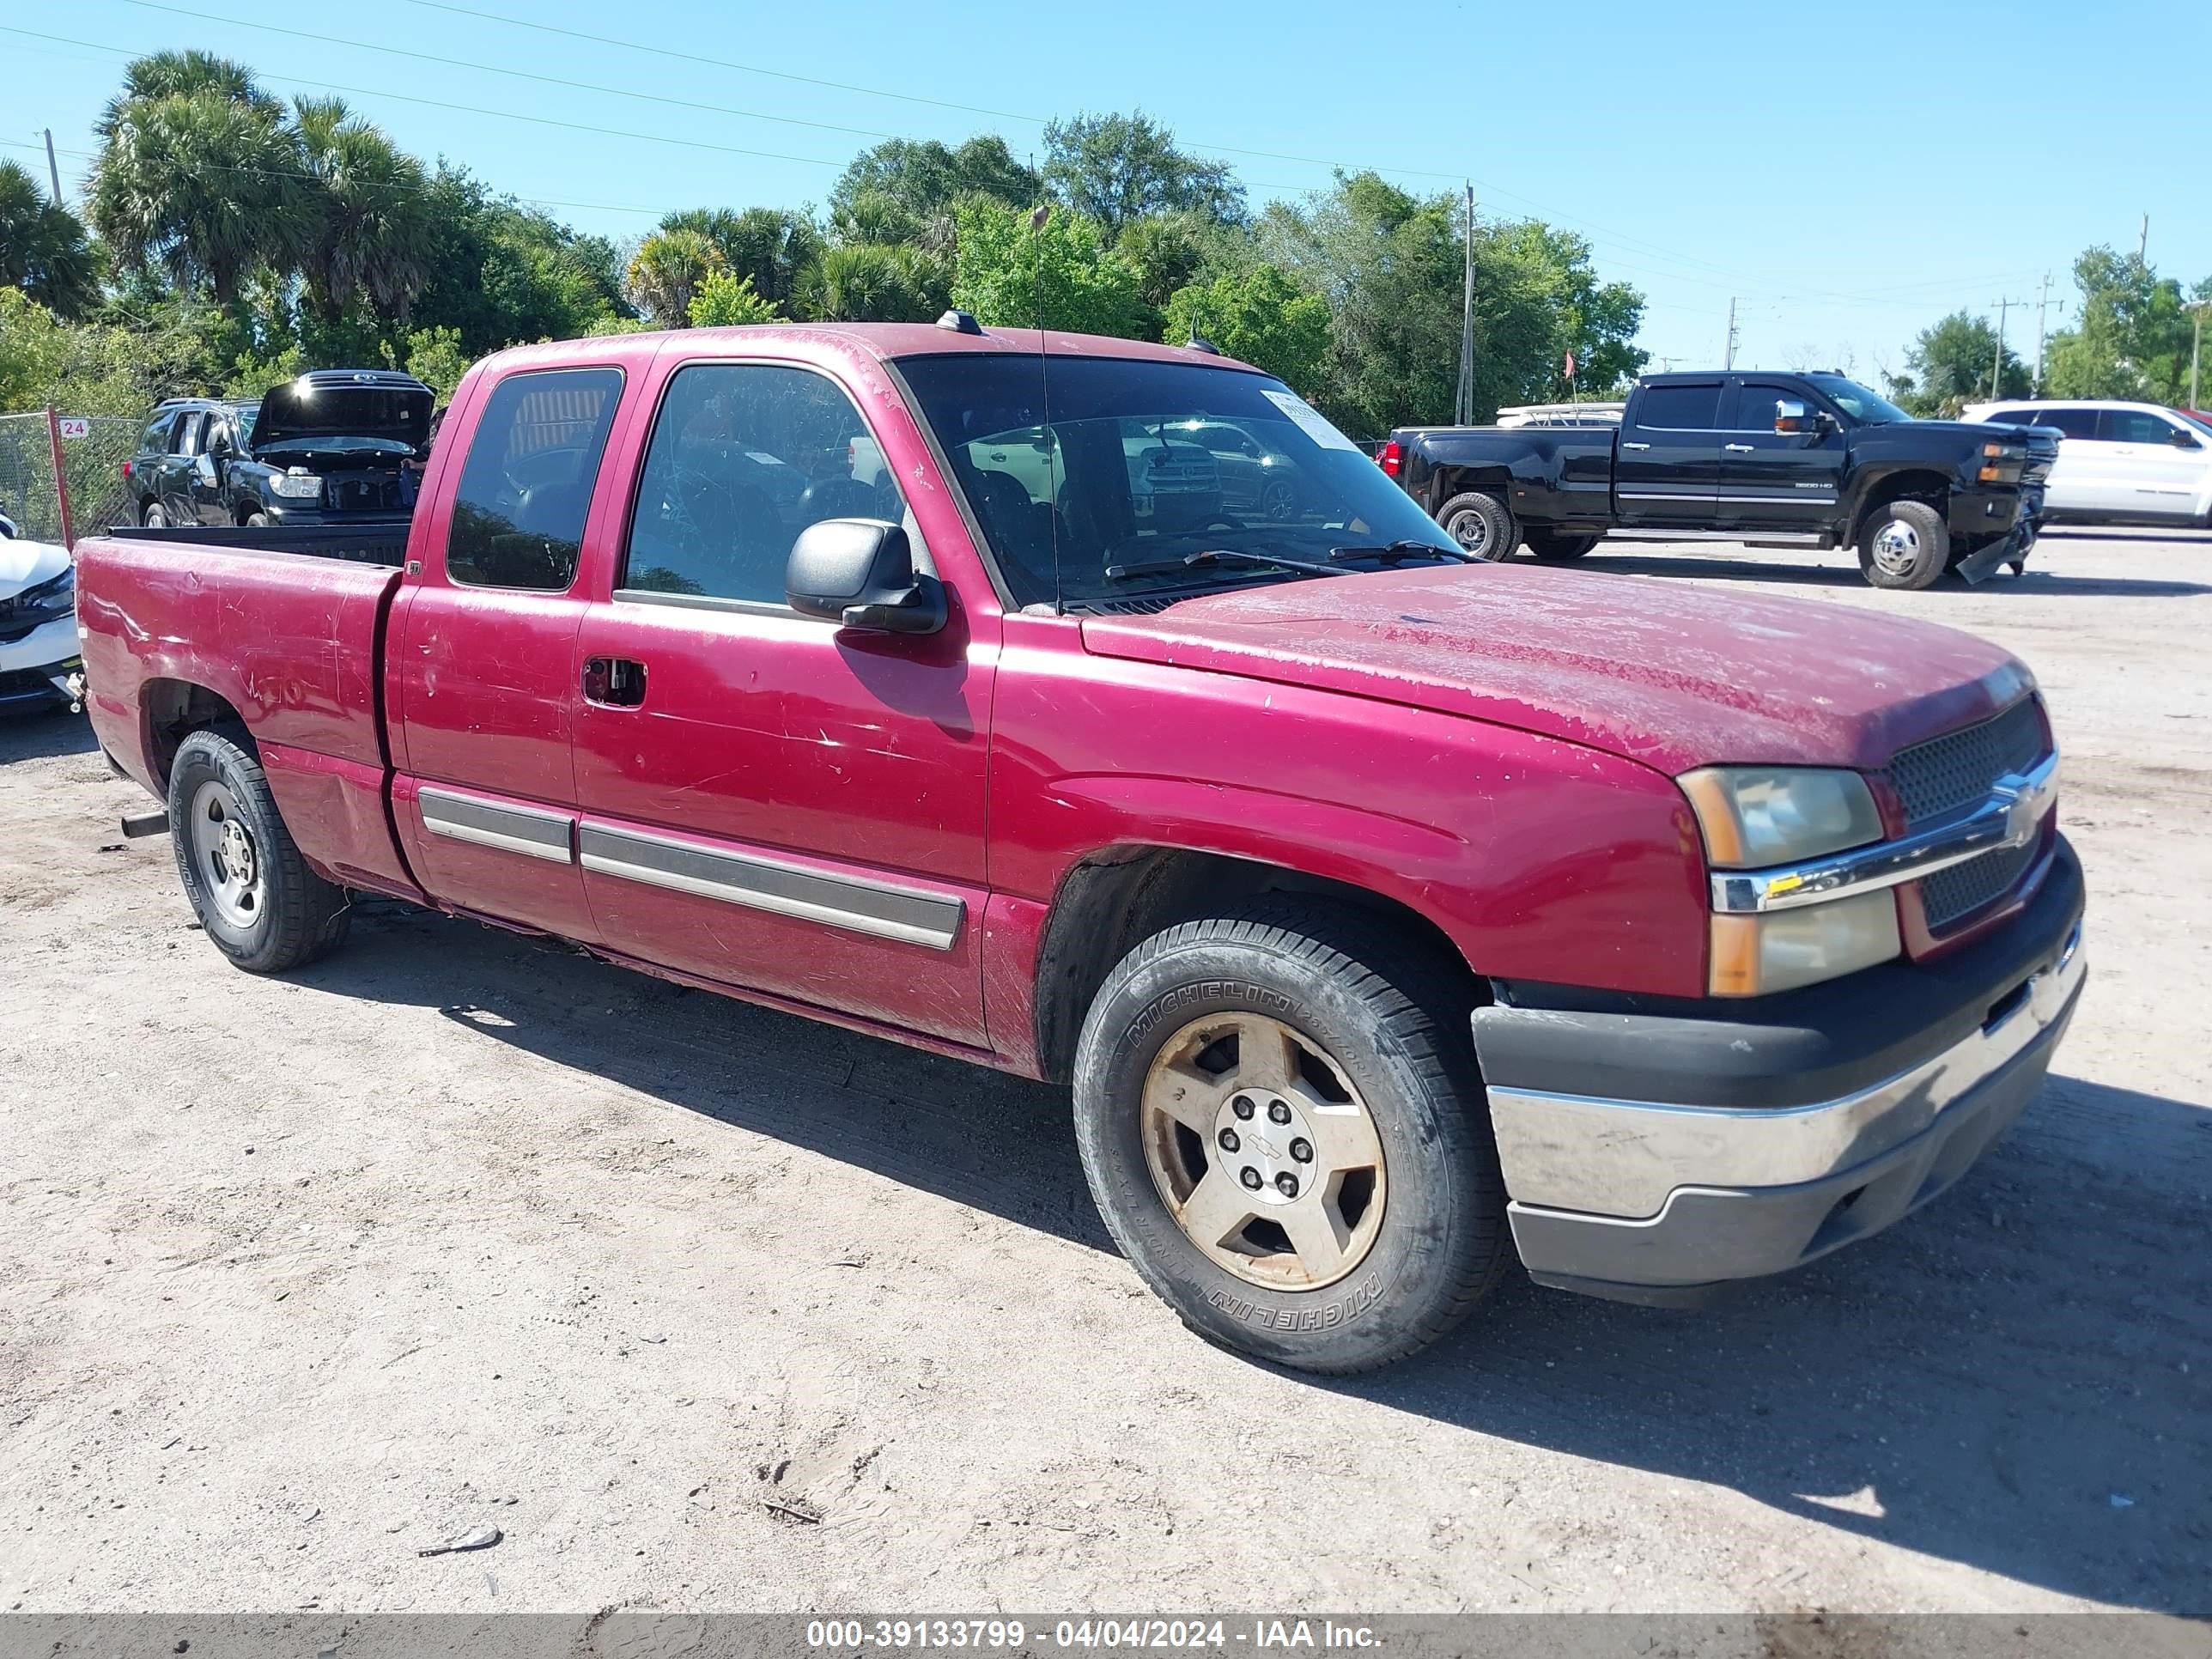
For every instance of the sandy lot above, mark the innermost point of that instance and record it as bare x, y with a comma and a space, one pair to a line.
459, 1229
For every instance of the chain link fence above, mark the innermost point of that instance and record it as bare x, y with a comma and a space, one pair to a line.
94, 450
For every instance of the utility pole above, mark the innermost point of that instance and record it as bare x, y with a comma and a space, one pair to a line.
1996, 365
53, 173
2143, 243
2197, 347
1729, 357
2042, 299
1464, 409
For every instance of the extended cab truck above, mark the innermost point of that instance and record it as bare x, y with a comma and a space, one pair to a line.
1389, 912
1773, 459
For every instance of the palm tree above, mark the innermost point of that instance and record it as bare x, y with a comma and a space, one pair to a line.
867, 282
43, 247
666, 271
369, 213
199, 173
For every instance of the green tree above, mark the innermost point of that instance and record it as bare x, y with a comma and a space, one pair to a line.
2133, 337
1119, 168
200, 173
771, 247
1171, 250
894, 192
1949, 365
43, 249
1261, 316
868, 283
367, 211
1009, 272
725, 299
1391, 267
435, 357
501, 273
666, 271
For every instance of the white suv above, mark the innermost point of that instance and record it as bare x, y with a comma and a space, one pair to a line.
2118, 463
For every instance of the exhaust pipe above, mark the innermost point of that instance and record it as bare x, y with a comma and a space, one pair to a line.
139, 825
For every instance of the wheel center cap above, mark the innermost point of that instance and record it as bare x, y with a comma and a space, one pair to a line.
237, 853
1262, 1152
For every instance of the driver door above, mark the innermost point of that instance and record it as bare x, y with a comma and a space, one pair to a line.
768, 800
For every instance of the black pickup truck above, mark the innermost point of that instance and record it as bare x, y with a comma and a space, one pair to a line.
334, 446
1772, 459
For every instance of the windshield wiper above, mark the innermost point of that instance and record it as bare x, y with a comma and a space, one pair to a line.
1403, 548
1209, 556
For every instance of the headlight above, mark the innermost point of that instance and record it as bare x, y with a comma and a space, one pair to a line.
1756, 815
1757, 955
34, 606
297, 486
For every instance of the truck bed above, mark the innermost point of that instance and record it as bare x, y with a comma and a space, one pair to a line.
290, 637
383, 542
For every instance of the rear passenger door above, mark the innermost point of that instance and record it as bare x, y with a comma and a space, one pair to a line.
769, 800
2083, 479
1667, 471
1777, 482
483, 659
179, 464
2158, 466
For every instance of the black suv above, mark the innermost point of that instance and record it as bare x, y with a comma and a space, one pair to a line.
336, 446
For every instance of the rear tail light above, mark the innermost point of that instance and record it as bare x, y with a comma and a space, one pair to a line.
1390, 458
126, 469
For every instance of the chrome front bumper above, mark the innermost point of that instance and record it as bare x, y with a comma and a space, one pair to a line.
1623, 1197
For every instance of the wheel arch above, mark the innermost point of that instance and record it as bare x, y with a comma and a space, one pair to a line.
171, 710
1906, 484
1112, 899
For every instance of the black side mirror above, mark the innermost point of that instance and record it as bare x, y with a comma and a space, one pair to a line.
2182, 438
859, 573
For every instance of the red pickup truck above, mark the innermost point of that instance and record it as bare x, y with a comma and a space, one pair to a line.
1096, 711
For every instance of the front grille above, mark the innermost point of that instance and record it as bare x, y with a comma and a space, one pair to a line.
1950, 894
364, 495
1955, 770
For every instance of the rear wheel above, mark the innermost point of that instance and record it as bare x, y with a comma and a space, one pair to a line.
1904, 545
1557, 547
1285, 1133
1481, 524
254, 895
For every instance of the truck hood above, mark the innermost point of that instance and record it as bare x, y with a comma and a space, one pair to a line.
1662, 672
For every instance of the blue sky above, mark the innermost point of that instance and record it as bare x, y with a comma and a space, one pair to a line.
1847, 172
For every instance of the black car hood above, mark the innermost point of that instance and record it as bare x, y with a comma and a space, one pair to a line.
391, 407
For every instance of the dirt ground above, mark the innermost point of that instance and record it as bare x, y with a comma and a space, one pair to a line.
707, 1307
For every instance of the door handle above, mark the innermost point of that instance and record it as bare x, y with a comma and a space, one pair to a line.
614, 682
1627, 446
1742, 449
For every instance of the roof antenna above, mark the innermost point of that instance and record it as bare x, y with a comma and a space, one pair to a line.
1038, 216
1199, 341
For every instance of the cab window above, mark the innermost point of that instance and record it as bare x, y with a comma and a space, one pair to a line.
742, 456
1680, 408
1755, 401
526, 487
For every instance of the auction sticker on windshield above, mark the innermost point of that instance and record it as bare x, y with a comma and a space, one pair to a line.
1310, 421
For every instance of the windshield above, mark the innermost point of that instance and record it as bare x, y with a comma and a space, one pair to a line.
1855, 401
1145, 463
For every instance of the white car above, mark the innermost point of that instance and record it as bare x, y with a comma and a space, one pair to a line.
2118, 463
38, 623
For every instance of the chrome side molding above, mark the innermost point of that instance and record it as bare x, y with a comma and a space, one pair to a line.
530, 830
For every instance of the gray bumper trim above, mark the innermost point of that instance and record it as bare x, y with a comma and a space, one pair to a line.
1706, 1236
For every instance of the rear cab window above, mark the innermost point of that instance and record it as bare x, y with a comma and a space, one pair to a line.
525, 490
1693, 408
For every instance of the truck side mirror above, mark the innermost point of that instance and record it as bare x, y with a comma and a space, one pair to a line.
859, 573
1790, 416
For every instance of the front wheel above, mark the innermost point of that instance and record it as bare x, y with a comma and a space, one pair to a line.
1481, 524
1904, 545
1283, 1127
1555, 547
254, 895
157, 517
